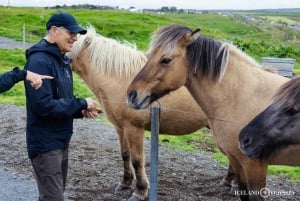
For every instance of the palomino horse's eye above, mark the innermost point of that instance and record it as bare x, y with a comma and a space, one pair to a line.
165, 61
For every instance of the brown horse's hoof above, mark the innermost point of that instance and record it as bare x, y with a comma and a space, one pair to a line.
121, 188
134, 198
234, 189
224, 183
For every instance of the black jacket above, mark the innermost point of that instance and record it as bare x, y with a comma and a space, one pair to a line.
9, 79
51, 108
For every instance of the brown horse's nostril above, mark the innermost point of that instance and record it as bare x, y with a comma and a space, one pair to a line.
246, 141
132, 96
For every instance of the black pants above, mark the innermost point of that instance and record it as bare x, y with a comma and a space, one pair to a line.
51, 170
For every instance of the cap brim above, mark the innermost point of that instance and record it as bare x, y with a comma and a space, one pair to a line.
76, 29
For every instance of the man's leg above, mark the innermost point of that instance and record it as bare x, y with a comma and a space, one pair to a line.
64, 166
49, 176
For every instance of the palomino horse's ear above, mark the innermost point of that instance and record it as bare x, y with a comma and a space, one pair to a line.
189, 38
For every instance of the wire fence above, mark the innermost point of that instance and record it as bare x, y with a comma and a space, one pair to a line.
23, 33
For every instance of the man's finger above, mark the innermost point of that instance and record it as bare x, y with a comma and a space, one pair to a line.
46, 77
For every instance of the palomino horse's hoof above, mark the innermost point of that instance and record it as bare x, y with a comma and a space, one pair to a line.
134, 198
121, 188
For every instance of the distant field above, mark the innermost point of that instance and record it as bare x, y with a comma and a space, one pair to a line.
257, 40
294, 16
280, 19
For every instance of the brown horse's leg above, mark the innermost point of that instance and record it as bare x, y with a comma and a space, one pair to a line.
256, 174
135, 138
230, 176
128, 173
239, 177
230, 180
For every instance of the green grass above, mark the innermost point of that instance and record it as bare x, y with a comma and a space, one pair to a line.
137, 28
291, 172
9, 59
202, 140
16, 95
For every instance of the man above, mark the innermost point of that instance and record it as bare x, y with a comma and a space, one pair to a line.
10, 78
52, 108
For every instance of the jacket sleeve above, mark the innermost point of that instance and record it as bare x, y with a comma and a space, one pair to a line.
43, 102
9, 79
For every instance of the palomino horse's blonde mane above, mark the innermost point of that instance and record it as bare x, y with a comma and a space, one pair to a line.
108, 55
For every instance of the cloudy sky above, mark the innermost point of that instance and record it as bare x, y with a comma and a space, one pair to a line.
197, 4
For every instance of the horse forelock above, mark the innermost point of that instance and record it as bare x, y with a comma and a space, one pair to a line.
166, 38
206, 56
288, 95
108, 55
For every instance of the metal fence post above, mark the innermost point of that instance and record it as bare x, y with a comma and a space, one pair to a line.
24, 35
155, 111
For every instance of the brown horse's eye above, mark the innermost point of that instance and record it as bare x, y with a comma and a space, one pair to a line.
165, 61
291, 111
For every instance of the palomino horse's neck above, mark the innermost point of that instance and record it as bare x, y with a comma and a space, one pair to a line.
226, 99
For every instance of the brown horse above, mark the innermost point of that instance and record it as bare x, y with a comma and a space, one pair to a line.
277, 127
230, 87
107, 67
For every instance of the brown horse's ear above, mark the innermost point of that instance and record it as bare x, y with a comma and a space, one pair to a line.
189, 38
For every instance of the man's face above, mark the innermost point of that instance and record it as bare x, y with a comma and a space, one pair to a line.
65, 39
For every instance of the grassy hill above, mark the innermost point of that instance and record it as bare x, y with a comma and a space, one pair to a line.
258, 40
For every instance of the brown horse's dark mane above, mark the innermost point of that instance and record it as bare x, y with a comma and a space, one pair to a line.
288, 95
206, 56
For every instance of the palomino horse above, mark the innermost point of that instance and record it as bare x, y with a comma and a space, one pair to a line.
230, 87
107, 67
277, 127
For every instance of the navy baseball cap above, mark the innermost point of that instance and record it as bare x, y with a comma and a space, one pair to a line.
65, 20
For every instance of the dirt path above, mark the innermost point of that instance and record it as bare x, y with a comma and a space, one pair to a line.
96, 165
8, 43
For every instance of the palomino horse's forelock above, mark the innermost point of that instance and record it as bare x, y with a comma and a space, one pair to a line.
108, 55
288, 95
207, 56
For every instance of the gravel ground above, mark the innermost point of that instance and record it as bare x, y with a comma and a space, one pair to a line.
96, 167
14, 187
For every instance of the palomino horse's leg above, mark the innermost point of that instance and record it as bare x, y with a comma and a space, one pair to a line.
135, 137
128, 174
